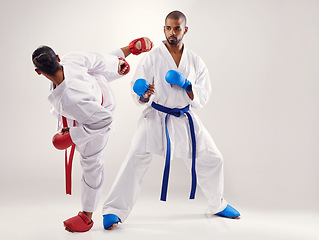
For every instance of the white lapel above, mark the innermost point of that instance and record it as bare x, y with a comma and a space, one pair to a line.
173, 95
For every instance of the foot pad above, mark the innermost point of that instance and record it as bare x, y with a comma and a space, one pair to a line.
79, 223
229, 212
109, 220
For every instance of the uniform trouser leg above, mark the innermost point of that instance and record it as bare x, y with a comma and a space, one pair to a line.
210, 174
92, 162
209, 170
128, 183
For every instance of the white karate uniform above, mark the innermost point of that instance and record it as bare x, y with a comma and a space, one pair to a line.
79, 98
150, 136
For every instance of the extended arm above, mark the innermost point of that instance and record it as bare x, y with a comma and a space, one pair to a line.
138, 46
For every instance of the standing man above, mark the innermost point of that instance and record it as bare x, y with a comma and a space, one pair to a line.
170, 81
83, 100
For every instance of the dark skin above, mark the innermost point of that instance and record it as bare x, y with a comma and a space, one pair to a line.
58, 78
174, 31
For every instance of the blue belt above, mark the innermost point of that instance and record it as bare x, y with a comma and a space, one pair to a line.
177, 112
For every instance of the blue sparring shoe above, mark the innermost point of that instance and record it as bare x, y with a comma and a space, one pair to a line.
229, 212
109, 220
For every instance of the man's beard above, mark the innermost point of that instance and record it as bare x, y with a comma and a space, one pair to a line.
174, 41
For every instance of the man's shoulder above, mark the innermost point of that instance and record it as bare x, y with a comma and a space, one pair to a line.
192, 54
71, 55
77, 56
195, 58
151, 57
158, 49
155, 51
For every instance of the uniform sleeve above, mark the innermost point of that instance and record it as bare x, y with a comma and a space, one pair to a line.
144, 70
96, 63
117, 52
201, 86
94, 119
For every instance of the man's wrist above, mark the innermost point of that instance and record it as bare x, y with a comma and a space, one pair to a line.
144, 101
144, 98
126, 51
189, 87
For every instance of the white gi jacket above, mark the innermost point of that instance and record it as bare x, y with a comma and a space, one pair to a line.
79, 96
153, 68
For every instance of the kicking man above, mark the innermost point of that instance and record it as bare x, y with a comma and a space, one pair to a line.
83, 100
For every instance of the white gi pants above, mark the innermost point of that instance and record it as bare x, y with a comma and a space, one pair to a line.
127, 185
92, 162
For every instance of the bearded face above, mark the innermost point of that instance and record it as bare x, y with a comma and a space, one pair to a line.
174, 30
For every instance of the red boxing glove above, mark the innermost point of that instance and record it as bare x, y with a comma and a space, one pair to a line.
62, 140
124, 65
136, 51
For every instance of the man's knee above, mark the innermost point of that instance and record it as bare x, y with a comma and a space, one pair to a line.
210, 158
94, 179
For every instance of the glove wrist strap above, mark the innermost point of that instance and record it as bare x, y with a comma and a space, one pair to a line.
188, 86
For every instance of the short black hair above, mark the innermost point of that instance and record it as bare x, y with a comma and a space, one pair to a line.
176, 15
45, 59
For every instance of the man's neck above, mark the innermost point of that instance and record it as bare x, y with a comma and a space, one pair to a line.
58, 78
175, 49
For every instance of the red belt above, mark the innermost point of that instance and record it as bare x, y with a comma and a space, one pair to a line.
68, 162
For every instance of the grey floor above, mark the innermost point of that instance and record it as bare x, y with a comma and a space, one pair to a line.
152, 219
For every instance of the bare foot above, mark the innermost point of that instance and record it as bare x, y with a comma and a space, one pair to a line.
111, 227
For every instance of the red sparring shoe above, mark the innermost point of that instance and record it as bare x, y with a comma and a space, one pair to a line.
79, 223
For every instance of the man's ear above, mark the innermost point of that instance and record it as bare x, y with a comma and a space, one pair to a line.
38, 71
186, 30
58, 58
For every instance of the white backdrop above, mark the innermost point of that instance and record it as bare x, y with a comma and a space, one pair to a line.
263, 58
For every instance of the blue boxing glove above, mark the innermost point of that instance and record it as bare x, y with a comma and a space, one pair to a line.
176, 78
140, 87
